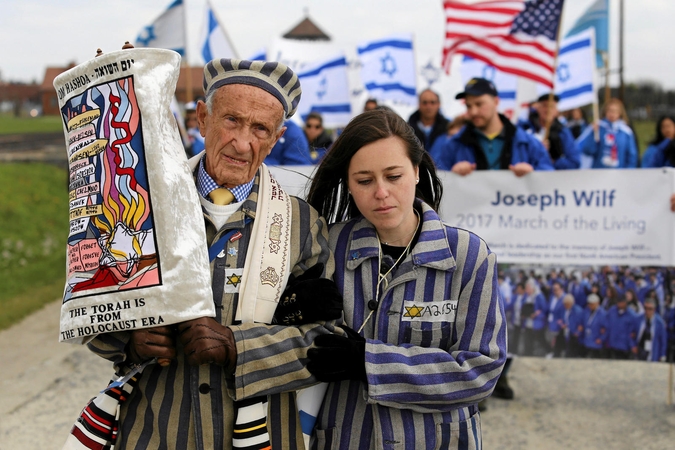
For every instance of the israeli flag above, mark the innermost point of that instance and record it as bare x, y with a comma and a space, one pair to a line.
166, 31
388, 68
325, 89
597, 18
214, 42
575, 74
506, 84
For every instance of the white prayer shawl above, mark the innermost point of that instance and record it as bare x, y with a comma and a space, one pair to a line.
267, 268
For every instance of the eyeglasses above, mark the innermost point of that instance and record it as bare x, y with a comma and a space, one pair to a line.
429, 102
310, 126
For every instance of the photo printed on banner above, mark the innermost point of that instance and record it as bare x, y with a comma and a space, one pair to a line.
111, 243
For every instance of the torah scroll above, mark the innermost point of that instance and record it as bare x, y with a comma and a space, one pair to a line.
137, 254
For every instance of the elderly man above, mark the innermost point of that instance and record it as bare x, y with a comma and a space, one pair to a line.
571, 328
489, 141
429, 124
192, 398
595, 327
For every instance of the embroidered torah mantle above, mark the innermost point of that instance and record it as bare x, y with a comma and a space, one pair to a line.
137, 253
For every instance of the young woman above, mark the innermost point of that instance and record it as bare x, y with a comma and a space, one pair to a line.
661, 151
427, 337
616, 148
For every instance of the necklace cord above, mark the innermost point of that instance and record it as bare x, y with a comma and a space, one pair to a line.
382, 277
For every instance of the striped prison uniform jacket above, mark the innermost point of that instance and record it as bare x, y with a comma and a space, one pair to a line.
186, 407
427, 366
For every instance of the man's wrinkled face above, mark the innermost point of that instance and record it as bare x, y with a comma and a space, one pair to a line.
239, 132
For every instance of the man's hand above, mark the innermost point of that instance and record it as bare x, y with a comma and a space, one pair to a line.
672, 202
520, 169
205, 341
463, 168
156, 342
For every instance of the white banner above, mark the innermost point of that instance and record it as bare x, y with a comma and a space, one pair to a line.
584, 217
578, 217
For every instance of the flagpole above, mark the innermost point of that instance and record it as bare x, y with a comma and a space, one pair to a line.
621, 85
188, 75
551, 93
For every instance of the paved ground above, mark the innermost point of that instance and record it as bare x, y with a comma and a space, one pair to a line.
559, 404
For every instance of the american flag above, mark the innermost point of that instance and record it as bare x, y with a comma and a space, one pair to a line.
515, 36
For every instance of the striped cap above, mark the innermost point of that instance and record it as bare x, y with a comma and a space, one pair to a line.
273, 77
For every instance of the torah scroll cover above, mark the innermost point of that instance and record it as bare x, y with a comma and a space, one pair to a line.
137, 254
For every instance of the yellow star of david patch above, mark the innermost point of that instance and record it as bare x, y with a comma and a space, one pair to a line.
413, 311
234, 280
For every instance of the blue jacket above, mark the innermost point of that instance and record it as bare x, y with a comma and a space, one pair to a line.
518, 147
574, 319
579, 292
621, 329
616, 148
435, 344
555, 313
658, 156
659, 336
541, 311
595, 327
292, 149
561, 142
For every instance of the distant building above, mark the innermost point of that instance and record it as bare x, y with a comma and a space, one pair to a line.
19, 95
48, 98
307, 30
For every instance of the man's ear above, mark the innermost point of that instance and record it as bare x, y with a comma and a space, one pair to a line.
202, 114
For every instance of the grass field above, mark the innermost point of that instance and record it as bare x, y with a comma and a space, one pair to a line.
34, 224
18, 125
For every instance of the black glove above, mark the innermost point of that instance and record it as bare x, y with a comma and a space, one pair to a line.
308, 298
337, 358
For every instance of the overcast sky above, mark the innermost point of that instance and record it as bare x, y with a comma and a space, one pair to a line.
40, 33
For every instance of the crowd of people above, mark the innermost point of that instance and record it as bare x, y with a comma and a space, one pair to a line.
607, 312
547, 139
483, 138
